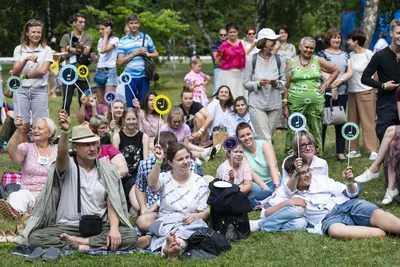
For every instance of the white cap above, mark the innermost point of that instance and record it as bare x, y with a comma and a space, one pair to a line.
267, 33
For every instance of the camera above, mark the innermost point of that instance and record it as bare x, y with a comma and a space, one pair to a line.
74, 41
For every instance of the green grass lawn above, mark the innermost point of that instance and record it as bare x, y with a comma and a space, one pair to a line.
261, 249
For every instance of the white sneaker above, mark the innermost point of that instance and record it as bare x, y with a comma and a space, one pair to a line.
254, 227
373, 156
206, 153
366, 176
353, 154
389, 195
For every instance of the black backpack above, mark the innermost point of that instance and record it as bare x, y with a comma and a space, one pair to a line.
208, 240
228, 212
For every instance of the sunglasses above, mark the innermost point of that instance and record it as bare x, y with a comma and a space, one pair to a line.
34, 21
251, 33
222, 34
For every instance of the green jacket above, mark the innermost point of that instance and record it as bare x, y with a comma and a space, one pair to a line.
45, 211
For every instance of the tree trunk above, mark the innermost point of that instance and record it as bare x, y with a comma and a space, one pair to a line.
262, 12
200, 22
369, 21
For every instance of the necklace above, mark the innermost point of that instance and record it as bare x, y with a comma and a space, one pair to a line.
306, 64
41, 159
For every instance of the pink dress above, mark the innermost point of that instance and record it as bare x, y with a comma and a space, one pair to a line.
34, 175
199, 92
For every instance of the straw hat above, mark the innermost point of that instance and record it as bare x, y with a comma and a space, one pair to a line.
83, 134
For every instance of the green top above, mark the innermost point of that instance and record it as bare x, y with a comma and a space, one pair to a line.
258, 162
305, 84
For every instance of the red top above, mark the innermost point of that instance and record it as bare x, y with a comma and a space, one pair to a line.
232, 56
108, 152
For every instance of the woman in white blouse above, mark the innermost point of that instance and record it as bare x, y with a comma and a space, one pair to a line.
32, 60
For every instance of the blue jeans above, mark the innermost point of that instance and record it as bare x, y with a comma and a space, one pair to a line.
289, 218
352, 212
257, 193
140, 86
216, 72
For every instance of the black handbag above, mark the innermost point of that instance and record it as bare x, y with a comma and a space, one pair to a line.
89, 225
149, 66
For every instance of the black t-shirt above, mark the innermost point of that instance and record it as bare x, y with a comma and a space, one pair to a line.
388, 68
132, 149
189, 117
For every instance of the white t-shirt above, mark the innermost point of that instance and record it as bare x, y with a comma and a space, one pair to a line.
93, 195
220, 117
380, 44
109, 59
184, 198
359, 62
43, 54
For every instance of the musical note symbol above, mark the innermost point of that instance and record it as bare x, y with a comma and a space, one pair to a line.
351, 131
161, 104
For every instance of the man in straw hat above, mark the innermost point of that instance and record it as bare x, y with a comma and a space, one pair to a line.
56, 222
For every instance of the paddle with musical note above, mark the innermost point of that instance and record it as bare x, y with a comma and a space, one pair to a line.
14, 84
350, 132
297, 122
68, 76
110, 98
162, 105
126, 79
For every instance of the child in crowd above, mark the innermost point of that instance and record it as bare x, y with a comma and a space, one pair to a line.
150, 120
89, 107
116, 114
197, 81
175, 124
235, 171
134, 145
54, 70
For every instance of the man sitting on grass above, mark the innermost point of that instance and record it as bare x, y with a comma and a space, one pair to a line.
333, 206
57, 218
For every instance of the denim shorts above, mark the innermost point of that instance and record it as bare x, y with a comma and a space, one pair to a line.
353, 212
112, 76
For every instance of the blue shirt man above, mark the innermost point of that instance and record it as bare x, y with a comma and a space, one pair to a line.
132, 49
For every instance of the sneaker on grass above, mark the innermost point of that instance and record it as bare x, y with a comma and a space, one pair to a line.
366, 176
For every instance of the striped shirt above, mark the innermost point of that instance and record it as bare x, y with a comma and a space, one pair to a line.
127, 45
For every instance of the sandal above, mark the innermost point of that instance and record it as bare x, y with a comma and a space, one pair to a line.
10, 236
36, 254
7, 211
52, 254
3, 238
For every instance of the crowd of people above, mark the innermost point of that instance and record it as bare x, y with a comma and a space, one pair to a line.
123, 159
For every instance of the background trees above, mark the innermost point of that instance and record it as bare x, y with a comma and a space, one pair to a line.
186, 21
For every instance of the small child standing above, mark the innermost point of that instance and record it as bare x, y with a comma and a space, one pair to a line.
54, 70
197, 81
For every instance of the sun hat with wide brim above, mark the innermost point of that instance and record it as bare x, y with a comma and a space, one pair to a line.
83, 134
267, 33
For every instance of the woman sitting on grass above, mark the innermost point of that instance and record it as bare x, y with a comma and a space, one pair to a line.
89, 107
150, 120
119, 110
260, 155
99, 126
176, 126
183, 206
35, 160
235, 171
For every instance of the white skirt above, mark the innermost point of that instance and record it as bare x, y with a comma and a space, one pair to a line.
234, 80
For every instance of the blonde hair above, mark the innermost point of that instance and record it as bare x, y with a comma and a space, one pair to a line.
51, 126
175, 111
29, 24
97, 120
395, 23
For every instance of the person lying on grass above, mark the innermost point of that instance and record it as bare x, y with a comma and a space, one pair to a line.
334, 206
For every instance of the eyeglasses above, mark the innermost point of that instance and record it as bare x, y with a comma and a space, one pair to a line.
251, 33
304, 146
223, 35
305, 172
